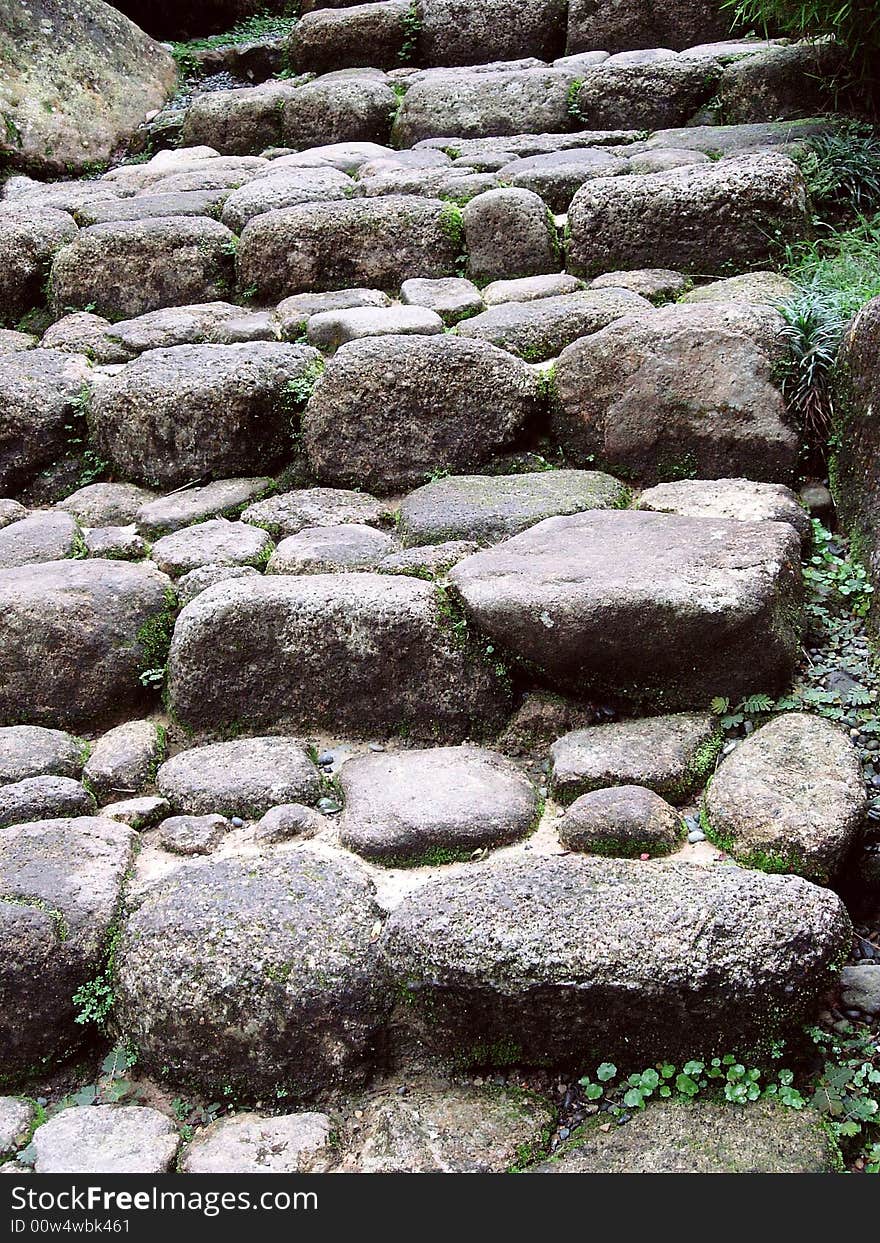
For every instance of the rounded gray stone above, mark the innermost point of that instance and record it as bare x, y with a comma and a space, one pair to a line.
623, 820
43, 798
790, 797
258, 972
330, 550
34, 751
244, 777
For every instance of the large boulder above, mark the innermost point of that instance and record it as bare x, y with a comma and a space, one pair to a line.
641, 606
258, 972
679, 392
444, 103
75, 636
133, 266
488, 508
76, 79
469, 32
201, 411
60, 884
340, 38
40, 397
622, 25
556, 960
375, 242
390, 411
29, 238
654, 95
352, 653
790, 798
739, 211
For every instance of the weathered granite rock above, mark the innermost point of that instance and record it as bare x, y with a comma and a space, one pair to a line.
728, 498
124, 760
192, 835
329, 329
15, 1122
737, 210
196, 411
77, 79
441, 402
60, 882
75, 637
623, 820
555, 960
509, 233
541, 329
452, 297
672, 394
288, 820
324, 246
628, 24
244, 777
791, 798
250, 1144
644, 607
33, 751
488, 508
288, 513
224, 497
356, 653
40, 395
258, 972
213, 542
30, 236
433, 805
668, 754
106, 1139
330, 550
43, 798
106, 504
701, 1137
129, 267
431, 1127
42, 536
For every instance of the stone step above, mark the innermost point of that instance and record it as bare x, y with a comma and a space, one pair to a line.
358, 652
549, 960
651, 608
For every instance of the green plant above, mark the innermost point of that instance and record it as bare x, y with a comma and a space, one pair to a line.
412, 26
853, 24
842, 171
812, 332
724, 1078
834, 277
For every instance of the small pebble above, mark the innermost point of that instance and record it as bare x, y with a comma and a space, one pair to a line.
376, 746
237, 822
696, 835
325, 759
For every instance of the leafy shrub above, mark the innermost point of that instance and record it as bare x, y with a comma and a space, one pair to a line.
853, 24
842, 172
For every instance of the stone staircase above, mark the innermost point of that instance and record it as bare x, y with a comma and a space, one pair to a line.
429, 387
